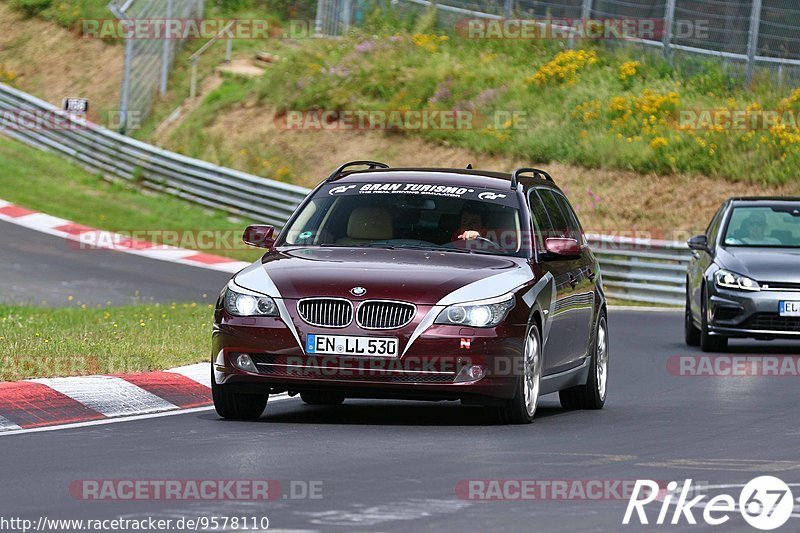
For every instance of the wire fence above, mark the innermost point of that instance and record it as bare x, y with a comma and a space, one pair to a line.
149, 61
743, 33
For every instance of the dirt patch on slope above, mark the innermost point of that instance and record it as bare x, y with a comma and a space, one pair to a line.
53, 63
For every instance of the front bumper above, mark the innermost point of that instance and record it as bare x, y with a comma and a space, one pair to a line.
428, 369
752, 314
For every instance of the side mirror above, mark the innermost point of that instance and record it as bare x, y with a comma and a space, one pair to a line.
699, 243
562, 248
260, 236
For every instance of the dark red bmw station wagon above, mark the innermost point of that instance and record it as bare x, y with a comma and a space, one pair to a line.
426, 284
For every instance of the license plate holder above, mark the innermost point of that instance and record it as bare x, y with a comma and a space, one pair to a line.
789, 308
321, 344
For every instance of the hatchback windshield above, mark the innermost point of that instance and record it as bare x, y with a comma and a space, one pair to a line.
765, 226
410, 215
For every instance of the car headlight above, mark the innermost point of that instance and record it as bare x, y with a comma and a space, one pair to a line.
249, 304
480, 314
732, 280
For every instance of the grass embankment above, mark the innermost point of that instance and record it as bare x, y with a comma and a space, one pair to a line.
46, 182
595, 106
39, 342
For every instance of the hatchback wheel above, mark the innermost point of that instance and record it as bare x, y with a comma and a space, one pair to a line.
691, 332
592, 395
708, 342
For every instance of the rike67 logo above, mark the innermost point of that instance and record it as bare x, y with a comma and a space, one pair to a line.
766, 503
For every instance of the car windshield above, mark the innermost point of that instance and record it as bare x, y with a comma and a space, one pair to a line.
776, 226
410, 215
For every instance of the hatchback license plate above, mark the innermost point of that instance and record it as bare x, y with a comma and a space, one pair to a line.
790, 308
344, 345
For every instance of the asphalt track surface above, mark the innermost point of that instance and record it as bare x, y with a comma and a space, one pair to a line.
395, 466
36, 268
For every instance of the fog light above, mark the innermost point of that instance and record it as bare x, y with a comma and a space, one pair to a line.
243, 362
470, 373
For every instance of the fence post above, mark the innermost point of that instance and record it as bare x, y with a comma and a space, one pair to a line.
125, 98
508, 7
166, 52
347, 7
318, 20
586, 10
669, 19
752, 39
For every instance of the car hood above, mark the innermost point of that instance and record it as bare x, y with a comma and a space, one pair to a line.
762, 264
418, 276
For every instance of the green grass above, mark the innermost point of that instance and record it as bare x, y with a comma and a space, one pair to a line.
35, 180
40, 342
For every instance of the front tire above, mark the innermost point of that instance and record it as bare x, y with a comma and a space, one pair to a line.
236, 406
708, 342
592, 395
521, 409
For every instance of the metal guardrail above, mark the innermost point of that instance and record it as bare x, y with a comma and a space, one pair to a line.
105, 152
651, 271
635, 270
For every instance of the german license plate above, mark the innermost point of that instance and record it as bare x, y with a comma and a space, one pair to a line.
790, 308
345, 345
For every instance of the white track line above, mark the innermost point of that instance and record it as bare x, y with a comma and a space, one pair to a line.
109, 395
276, 398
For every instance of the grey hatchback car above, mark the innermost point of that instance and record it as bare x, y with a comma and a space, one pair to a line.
744, 275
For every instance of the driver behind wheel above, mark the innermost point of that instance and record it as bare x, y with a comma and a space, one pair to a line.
471, 226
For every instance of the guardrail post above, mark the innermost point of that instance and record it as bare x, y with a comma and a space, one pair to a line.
166, 52
508, 7
669, 19
229, 47
752, 40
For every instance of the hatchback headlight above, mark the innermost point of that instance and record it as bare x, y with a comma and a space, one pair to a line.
240, 303
479, 314
732, 280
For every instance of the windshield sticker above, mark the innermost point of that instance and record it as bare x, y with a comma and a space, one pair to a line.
451, 191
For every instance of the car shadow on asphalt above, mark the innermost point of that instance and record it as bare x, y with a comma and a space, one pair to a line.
377, 412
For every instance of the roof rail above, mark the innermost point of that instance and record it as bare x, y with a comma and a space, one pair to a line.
541, 174
372, 165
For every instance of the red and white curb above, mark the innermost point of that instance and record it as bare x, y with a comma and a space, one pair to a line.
38, 403
101, 239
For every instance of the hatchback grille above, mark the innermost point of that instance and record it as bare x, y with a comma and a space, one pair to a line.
774, 322
379, 314
326, 312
